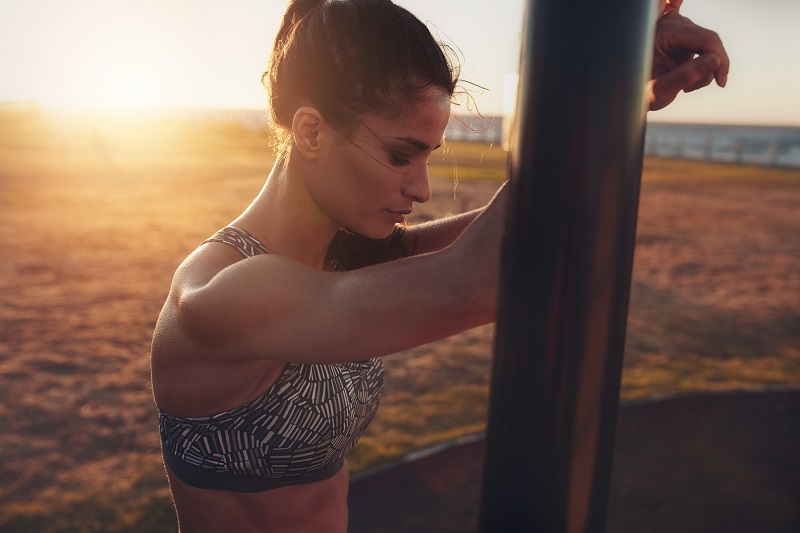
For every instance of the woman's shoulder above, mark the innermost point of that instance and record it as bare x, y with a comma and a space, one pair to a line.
213, 255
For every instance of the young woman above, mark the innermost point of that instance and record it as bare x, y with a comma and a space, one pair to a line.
266, 357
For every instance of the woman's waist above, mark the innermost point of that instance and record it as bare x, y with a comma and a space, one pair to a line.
310, 507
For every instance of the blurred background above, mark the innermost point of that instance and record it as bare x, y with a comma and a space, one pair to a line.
130, 131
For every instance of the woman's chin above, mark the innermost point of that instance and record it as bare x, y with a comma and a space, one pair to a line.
375, 231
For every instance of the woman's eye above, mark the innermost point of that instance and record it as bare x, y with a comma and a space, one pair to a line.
398, 161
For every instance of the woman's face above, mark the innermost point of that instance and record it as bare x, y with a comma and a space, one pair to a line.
373, 176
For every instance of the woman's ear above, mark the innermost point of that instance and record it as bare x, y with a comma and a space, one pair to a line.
306, 126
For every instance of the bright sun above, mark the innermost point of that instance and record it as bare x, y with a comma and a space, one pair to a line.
122, 74
132, 55
126, 82
110, 64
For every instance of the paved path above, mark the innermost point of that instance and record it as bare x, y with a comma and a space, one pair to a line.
703, 463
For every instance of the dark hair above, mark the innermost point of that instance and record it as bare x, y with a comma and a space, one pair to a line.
347, 57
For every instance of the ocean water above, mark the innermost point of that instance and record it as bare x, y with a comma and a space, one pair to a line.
755, 145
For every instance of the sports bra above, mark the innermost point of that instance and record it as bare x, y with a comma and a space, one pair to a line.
297, 431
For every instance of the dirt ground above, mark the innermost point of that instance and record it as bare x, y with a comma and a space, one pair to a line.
93, 222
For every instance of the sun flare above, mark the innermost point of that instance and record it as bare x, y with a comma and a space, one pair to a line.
126, 82
110, 64
118, 73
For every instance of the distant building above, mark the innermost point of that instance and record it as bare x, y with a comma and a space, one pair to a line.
475, 129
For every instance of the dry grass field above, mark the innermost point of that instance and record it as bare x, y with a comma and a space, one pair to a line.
96, 214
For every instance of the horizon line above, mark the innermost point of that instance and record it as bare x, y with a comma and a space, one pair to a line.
31, 104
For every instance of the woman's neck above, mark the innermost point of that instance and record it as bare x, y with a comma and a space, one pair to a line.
286, 219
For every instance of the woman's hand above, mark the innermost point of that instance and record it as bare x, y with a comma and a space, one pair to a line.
686, 57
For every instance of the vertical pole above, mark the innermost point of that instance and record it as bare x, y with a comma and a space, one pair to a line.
575, 167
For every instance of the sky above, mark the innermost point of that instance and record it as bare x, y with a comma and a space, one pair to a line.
211, 53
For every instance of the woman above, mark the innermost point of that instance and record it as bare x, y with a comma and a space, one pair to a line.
266, 356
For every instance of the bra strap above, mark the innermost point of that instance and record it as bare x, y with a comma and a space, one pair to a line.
244, 242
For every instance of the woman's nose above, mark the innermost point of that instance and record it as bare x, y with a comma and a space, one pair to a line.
417, 186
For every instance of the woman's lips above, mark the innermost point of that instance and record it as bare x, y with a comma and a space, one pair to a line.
398, 216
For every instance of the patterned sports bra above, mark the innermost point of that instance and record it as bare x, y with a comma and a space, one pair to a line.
298, 431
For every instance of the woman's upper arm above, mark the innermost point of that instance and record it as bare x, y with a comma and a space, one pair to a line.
271, 307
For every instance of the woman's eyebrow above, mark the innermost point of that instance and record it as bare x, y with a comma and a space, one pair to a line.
418, 144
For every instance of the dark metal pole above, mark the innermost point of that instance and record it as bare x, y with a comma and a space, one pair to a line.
575, 170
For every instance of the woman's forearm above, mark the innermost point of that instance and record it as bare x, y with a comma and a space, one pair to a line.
437, 234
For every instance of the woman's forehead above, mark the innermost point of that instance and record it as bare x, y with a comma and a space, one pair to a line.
423, 118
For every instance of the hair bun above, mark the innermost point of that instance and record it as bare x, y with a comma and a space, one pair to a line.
296, 11
349, 57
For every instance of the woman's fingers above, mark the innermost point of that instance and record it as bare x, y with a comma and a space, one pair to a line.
689, 76
686, 57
